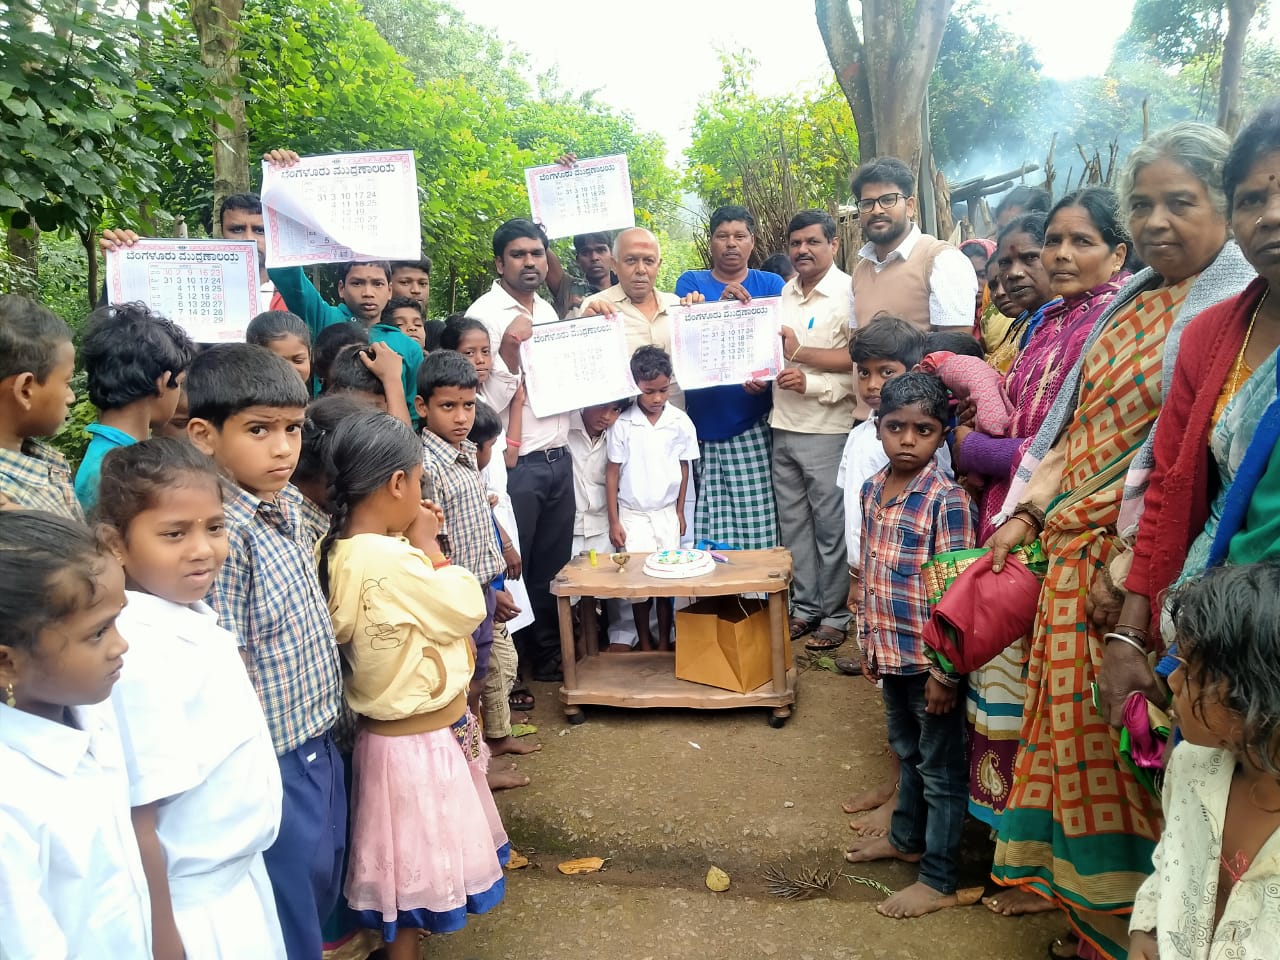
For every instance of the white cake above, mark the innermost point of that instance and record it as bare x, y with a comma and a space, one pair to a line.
678, 564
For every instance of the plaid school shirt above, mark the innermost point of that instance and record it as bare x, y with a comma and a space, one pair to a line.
38, 478
460, 493
268, 595
932, 515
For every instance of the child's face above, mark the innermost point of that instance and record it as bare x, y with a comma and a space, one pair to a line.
76, 660
165, 406
176, 427
474, 345
259, 446
1206, 724
448, 413
365, 291
46, 404
411, 282
409, 321
175, 548
872, 376
600, 418
297, 351
653, 394
910, 436
484, 453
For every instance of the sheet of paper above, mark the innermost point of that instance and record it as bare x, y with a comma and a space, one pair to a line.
207, 287
342, 206
724, 341
570, 364
592, 195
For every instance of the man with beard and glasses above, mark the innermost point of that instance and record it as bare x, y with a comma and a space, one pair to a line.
812, 411
541, 484
901, 271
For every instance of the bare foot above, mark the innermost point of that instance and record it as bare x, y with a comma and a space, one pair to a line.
915, 901
508, 779
1017, 902
870, 799
510, 744
877, 822
878, 848
618, 648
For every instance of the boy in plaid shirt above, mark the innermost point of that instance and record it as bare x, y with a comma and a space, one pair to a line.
911, 512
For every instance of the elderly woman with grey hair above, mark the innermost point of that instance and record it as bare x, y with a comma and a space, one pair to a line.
1079, 830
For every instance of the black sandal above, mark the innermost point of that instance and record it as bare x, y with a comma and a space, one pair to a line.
824, 639
521, 700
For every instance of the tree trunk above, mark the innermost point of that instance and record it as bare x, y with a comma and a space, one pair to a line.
1239, 15
844, 51
217, 29
24, 249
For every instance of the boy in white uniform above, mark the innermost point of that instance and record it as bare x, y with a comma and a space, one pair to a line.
647, 477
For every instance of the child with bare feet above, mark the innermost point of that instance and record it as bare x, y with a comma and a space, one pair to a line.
649, 450
911, 511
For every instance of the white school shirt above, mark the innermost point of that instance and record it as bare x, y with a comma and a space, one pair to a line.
195, 738
494, 478
862, 459
71, 880
498, 309
651, 454
591, 516
952, 281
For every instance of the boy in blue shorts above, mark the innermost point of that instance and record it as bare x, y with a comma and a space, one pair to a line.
247, 407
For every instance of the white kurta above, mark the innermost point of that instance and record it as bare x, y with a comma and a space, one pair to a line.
197, 743
71, 880
1179, 899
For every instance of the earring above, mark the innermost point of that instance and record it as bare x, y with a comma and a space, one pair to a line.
9, 701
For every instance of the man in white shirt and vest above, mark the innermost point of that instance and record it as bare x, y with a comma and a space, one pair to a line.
813, 403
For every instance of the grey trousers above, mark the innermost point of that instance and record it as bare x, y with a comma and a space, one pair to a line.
811, 521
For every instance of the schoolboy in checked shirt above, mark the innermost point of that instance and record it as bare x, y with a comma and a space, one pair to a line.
911, 512
247, 408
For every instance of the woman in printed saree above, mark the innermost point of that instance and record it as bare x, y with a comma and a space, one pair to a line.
1078, 829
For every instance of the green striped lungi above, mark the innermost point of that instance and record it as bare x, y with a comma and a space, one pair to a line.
735, 491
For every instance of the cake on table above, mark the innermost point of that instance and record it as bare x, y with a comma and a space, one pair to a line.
678, 564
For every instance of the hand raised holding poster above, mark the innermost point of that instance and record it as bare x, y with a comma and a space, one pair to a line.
576, 363
726, 342
340, 207
588, 196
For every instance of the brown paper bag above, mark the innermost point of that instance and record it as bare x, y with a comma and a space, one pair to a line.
724, 642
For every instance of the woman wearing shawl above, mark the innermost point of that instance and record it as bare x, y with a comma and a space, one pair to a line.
1078, 829
1081, 251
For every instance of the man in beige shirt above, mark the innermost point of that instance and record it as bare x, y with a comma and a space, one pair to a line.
813, 403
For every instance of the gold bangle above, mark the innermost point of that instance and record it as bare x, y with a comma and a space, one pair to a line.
795, 354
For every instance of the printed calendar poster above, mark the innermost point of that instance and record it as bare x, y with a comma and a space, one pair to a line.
591, 196
576, 363
725, 341
207, 287
340, 207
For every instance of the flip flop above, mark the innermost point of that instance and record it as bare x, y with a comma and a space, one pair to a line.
521, 700
824, 638
851, 666
800, 627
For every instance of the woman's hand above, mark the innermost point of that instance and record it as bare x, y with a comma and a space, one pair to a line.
1015, 532
1103, 602
1143, 946
1123, 671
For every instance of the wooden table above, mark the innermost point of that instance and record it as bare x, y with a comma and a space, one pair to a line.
648, 679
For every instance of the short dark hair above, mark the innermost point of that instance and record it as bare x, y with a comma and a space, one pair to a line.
486, 426
517, 229
48, 566
248, 202
273, 325
1026, 198
916, 389
126, 349
584, 240
399, 303
226, 378
134, 476
329, 342
348, 372
953, 341
1032, 224
455, 327
1103, 207
887, 338
341, 270
1260, 136
649, 363
813, 218
732, 213
432, 331
445, 368
884, 170
30, 335
780, 264
323, 416
424, 264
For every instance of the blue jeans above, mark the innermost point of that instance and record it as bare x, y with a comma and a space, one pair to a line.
933, 787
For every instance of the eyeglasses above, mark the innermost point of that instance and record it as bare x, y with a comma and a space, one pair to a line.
886, 202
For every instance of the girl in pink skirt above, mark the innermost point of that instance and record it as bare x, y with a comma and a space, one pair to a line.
427, 845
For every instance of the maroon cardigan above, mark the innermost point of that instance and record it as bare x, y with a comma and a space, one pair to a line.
1176, 504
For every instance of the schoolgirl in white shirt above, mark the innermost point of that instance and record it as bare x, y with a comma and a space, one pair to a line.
71, 882
204, 780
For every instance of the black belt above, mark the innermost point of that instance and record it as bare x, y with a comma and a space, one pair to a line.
551, 454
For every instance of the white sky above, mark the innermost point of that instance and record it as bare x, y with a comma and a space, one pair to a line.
656, 58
